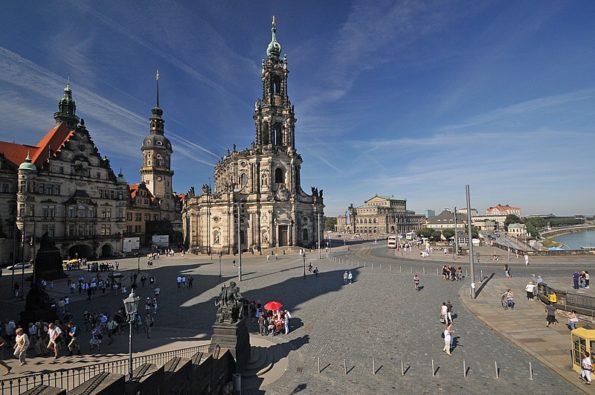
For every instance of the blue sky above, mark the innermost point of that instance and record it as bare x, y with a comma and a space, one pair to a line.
407, 98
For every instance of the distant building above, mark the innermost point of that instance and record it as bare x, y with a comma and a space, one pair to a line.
380, 215
517, 230
446, 220
463, 210
429, 213
503, 210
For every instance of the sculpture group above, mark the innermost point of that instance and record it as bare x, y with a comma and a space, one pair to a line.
230, 304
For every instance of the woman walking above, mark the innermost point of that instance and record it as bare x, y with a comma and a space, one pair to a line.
448, 331
21, 344
551, 314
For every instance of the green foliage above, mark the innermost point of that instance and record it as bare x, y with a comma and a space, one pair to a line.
426, 232
329, 223
448, 233
511, 219
531, 229
536, 222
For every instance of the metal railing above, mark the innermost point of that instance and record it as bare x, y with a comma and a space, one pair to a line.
71, 378
582, 304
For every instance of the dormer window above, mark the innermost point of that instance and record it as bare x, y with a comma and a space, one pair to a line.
148, 142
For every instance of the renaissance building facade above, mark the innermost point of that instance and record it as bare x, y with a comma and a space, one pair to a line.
257, 197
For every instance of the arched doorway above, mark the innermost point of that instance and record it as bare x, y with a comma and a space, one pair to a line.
107, 251
80, 251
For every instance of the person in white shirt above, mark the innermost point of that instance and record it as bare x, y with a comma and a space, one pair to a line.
586, 368
21, 344
530, 289
54, 333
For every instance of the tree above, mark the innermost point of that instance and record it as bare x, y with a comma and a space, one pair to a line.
330, 223
426, 232
448, 233
511, 219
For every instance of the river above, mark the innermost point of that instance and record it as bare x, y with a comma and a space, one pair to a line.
574, 241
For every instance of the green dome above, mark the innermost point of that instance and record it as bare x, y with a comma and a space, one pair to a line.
27, 165
121, 180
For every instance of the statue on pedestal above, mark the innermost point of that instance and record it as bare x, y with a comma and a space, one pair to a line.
230, 305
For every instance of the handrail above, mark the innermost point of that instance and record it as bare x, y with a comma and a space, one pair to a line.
71, 378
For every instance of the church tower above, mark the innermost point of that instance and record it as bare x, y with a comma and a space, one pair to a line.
273, 113
156, 172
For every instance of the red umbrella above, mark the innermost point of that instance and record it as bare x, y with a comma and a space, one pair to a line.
273, 305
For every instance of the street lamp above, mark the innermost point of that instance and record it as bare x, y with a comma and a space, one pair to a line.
131, 307
239, 246
220, 253
318, 231
304, 257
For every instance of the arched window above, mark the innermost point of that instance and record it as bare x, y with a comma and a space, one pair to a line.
279, 178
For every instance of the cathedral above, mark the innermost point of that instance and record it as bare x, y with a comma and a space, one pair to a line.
257, 197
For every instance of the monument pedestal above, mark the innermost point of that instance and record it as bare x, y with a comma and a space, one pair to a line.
234, 337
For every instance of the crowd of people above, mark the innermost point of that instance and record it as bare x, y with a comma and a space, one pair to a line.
580, 279
452, 273
272, 323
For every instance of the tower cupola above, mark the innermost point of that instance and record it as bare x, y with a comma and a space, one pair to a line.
67, 109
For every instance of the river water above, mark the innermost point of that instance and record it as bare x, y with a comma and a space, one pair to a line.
574, 241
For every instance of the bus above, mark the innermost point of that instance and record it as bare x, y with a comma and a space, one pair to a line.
392, 241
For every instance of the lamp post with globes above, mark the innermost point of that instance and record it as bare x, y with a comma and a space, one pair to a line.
131, 307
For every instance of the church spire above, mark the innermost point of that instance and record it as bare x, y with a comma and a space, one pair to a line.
157, 81
274, 48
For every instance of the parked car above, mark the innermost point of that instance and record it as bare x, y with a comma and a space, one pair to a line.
20, 266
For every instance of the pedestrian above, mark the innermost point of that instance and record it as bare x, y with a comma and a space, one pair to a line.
586, 279
316, 271
262, 325
157, 290
448, 331
350, 277
190, 281
345, 276
526, 260
73, 333
3, 343
586, 368
575, 278
443, 313
286, 319
449, 312
55, 334
530, 289
551, 314
143, 279
507, 271
572, 320
21, 344
416, 281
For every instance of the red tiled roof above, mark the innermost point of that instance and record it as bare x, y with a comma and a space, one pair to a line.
182, 196
53, 139
16, 153
133, 190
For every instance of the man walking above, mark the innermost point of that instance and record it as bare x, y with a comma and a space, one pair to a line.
586, 368
73, 334
54, 333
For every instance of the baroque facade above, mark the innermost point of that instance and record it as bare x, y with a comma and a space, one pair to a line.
379, 216
257, 194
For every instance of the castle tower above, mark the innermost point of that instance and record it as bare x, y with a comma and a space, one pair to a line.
67, 109
156, 171
273, 113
